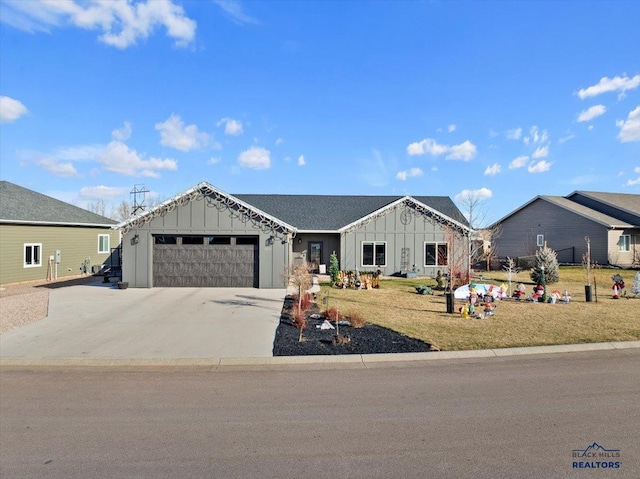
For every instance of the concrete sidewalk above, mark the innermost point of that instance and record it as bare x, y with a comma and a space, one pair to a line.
99, 321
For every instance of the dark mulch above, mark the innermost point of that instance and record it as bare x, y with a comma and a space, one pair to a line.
370, 339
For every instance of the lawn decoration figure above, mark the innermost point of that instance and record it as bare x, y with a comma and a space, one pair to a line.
635, 286
520, 291
618, 285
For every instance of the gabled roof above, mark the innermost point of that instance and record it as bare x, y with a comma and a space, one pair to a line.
628, 205
592, 214
23, 206
305, 213
336, 212
264, 220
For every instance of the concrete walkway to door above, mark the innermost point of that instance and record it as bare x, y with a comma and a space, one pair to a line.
99, 321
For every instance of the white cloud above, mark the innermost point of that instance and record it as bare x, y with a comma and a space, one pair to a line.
541, 152
606, 84
102, 191
175, 134
633, 182
591, 113
464, 151
518, 162
123, 23
403, 175
213, 161
301, 161
11, 109
570, 136
637, 169
451, 128
539, 167
234, 9
590, 127
122, 134
279, 141
630, 129
119, 158
536, 136
481, 194
58, 168
427, 146
255, 157
231, 126
492, 170
514, 134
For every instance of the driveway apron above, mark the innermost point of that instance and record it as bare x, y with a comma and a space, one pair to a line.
100, 321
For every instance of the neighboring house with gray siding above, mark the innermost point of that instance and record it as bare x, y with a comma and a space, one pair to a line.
206, 237
44, 238
610, 220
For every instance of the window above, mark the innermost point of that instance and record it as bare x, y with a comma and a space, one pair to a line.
165, 240
32, 255
219, 240
624, 243
540, 240
374, 253
193, 240
103, 243
436, 254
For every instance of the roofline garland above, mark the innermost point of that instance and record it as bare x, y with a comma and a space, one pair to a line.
433, 216
216, 199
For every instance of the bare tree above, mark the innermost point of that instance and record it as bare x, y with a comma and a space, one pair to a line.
122, 211
477, 215
99, 207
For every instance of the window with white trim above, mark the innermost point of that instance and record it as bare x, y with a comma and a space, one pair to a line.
374, 253
103, 243
32, 255
436, 254
624, 243
540, 240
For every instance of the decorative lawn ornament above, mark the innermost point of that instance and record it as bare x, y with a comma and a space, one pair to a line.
618, 285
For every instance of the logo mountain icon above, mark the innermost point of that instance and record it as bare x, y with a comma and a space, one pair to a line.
595, 447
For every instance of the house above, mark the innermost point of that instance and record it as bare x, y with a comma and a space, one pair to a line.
611, 221
45, 238
206, 237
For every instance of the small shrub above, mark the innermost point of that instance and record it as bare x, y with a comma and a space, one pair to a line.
300, 322
356, 319
332, 314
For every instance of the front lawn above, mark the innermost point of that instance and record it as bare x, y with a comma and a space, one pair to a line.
515, 323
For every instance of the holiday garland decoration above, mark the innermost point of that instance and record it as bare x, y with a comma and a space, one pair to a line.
214, 199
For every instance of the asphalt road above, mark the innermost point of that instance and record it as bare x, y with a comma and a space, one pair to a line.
513, 417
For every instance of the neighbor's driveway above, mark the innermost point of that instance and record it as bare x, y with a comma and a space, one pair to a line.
97, 320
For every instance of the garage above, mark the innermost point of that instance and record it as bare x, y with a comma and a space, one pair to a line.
205, 261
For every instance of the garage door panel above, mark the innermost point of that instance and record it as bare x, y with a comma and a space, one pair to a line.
205, 265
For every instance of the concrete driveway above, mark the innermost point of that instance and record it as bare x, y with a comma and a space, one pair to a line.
97, 320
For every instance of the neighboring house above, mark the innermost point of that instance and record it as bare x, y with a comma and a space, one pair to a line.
44, 238
205, 237
610, 220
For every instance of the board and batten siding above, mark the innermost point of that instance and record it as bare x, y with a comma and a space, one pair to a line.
563, 230
199, 217
398, 236
77, 244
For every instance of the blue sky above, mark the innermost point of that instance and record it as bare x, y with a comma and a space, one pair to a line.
507, 100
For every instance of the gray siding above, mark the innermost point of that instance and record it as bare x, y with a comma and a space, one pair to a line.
563, 231
201, 218
330, 243
78, 246
400, 238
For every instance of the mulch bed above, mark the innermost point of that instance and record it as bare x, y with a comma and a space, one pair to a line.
370, 339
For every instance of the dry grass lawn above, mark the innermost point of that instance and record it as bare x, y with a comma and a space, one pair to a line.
515, 323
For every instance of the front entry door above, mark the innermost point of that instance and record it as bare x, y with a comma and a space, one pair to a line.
315, 255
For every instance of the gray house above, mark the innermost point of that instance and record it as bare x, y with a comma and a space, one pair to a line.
45, 238
206, 237
610, 220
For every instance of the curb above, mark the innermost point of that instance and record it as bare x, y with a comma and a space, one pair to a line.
352, 360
